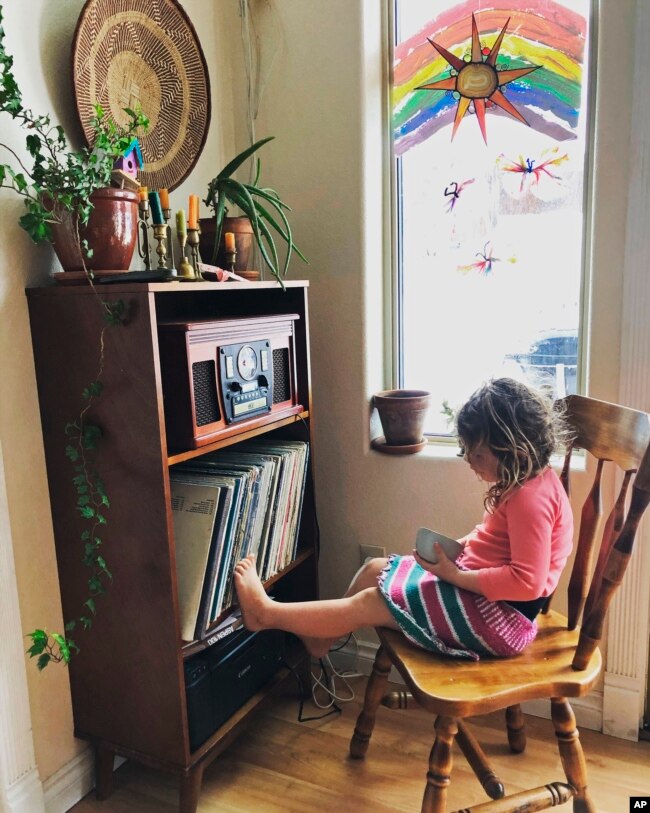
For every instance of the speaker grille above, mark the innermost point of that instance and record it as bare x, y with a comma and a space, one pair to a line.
206, 406
281, 379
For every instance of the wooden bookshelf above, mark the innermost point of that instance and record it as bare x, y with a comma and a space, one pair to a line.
127, 682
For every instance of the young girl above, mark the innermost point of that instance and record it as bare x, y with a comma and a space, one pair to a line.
484, 603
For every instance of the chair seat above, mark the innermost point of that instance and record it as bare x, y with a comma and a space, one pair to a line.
460, 688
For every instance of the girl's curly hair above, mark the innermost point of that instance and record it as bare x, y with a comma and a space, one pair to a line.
520, 425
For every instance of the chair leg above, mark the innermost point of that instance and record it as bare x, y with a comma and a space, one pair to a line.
375, 691
473, 752
516, 729
571, 754
440, 764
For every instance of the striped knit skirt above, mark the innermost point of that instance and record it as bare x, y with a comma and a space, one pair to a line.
440, 617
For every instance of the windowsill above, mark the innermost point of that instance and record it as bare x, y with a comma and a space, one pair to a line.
436, 450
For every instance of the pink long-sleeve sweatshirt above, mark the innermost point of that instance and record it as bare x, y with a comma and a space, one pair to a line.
520, 550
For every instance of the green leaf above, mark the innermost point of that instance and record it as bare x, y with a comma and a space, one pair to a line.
33, 144
90, 603
218, 223
71, 453
87, 512
43, 661
39, 642
236, 162
38, 636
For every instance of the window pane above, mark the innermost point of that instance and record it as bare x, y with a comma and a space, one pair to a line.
491, 166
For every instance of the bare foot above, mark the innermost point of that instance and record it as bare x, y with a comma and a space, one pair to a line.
251, 594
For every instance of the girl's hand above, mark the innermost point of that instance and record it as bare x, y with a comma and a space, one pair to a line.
444, 568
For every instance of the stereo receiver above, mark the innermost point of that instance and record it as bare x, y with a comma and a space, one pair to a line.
217, 374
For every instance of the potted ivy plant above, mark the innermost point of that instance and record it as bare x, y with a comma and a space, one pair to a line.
64, 186
63, 189
261, 208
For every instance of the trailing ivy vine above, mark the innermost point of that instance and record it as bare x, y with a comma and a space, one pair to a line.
62, 180
92, 504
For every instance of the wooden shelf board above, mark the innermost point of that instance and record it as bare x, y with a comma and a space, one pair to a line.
179, 457
191, 648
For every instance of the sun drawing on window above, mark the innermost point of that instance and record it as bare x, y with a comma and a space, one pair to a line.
478, 79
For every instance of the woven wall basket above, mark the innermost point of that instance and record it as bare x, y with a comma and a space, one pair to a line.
145, 52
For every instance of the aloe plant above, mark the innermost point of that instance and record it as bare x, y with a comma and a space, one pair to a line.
261, 205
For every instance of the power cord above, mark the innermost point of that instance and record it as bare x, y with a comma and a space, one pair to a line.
326, 682
301, 718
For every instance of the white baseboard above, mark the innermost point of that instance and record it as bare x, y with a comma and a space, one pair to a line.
25, 795
360, 658
72, 782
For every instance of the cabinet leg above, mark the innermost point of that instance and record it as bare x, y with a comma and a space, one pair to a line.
190, 789
104, 762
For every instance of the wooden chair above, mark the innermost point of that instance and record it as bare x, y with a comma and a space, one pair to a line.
564, 660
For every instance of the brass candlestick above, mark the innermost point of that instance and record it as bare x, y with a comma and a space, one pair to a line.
160, 231
231, 256
167, 213
185, 269
195, 257
143, 234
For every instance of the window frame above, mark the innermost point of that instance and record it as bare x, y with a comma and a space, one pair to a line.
394, 283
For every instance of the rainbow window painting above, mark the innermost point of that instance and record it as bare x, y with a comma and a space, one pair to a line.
490, 137
536, 51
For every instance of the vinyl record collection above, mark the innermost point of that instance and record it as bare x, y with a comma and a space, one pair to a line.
226, 505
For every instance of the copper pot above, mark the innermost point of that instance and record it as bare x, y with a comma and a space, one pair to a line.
111, 232
242, 229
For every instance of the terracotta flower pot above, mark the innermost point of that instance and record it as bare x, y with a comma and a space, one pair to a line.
402, 414
243, 231
111, 233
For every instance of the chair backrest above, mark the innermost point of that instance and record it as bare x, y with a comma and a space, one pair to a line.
620, 435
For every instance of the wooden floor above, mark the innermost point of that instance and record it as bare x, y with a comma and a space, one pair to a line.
283, 766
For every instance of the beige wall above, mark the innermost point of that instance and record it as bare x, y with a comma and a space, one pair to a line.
39, 36
323, 103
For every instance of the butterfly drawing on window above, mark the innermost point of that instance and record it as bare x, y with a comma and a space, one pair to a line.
530, 173
483, 265
453, 192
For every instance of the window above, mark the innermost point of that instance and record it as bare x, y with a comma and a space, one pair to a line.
490, 138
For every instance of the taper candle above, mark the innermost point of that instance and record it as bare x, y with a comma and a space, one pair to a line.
156, 209
229, 239
143, 191
193, 212
181, 226
164, 198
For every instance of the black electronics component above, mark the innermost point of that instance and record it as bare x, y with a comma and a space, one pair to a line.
246, 379
220, 679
